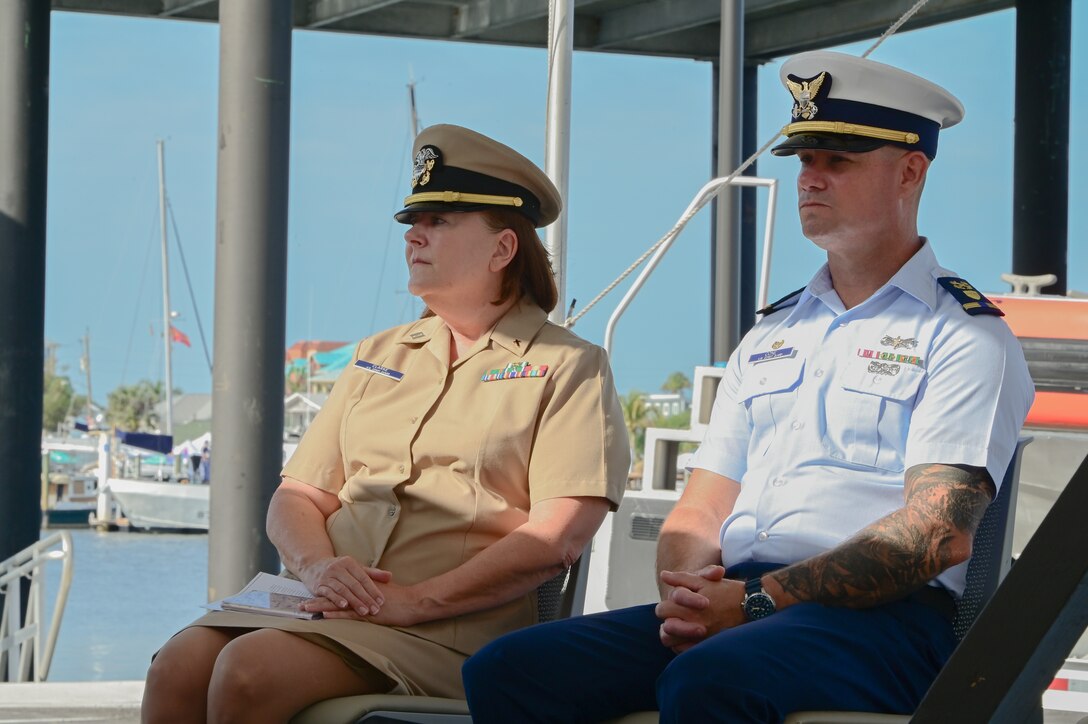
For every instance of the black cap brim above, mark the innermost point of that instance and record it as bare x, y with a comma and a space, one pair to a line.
404, 216
827, 142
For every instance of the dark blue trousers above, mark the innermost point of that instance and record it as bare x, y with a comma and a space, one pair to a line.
807, 656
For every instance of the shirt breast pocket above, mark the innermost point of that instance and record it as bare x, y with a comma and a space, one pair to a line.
769, 391
868, 417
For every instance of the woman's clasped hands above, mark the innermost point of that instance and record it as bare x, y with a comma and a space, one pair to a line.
342, 585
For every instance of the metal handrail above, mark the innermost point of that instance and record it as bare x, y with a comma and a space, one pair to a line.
23, 655
707, 192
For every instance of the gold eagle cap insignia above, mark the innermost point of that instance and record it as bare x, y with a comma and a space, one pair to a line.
803, 92
423, 164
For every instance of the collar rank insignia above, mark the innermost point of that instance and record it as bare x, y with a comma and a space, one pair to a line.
971, 299
804, 92
787, 301
427, 159
515, 370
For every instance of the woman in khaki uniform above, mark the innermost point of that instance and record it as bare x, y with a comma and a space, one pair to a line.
459, 463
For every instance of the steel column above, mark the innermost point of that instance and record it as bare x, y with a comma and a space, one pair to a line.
24, 133
1040, 218
749, 287
557, 142
250, 286
725, 309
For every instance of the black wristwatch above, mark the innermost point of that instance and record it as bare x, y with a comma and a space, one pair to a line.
757, 603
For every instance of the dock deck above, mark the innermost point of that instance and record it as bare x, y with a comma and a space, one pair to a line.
118, 702
86, 702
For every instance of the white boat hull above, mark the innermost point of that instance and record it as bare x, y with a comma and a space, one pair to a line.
161, 506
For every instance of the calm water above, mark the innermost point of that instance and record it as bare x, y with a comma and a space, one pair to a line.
130, 592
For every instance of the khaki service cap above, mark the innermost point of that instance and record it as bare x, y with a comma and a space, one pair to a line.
456, 169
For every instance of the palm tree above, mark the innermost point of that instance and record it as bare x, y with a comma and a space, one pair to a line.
132, 407
676, 383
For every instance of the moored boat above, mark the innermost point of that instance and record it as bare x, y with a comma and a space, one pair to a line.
154, 505
69, 482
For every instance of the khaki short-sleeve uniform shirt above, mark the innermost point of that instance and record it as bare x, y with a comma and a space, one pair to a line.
434, 462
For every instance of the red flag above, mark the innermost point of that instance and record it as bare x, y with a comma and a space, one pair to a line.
177, 335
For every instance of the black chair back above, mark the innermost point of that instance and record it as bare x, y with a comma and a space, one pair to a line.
991, 554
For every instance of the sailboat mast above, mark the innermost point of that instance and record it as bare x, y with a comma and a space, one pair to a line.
167, 337
412, 104
87, 369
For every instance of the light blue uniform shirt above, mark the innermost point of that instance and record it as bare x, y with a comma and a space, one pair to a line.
822, 409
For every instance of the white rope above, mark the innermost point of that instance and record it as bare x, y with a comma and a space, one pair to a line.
894, 27
687, 216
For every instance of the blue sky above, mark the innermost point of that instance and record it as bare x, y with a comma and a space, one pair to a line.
640, 151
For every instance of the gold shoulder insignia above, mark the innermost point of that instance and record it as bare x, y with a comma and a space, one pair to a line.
972, 300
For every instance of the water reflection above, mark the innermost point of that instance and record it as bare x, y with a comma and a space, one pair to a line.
130, 592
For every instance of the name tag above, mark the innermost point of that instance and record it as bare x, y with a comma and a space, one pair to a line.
379, 370
772, 355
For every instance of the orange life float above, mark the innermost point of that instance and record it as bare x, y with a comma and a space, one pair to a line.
1054, 333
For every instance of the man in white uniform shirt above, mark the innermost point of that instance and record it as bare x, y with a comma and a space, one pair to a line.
858, 435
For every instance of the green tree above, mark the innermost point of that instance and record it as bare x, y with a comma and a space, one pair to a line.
132, 407
679, 421
676, 383
56, 400
637, 416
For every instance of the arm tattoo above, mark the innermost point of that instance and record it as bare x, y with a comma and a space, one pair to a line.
902, 551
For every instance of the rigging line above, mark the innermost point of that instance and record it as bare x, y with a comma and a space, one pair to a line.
139, 295
683, 221
189, 283
895, 26
388, 240
676, 229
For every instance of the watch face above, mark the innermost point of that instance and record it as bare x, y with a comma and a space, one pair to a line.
758, 605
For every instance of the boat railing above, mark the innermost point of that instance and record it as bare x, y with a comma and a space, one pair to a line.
706, 193
24, 654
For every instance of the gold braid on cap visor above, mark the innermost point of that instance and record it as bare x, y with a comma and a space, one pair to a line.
852, 129
450, 197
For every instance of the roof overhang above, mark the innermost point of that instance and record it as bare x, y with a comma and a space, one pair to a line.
674, 28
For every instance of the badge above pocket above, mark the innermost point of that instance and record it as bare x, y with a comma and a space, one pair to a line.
886, 374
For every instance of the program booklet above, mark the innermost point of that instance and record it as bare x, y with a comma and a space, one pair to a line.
270, 595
